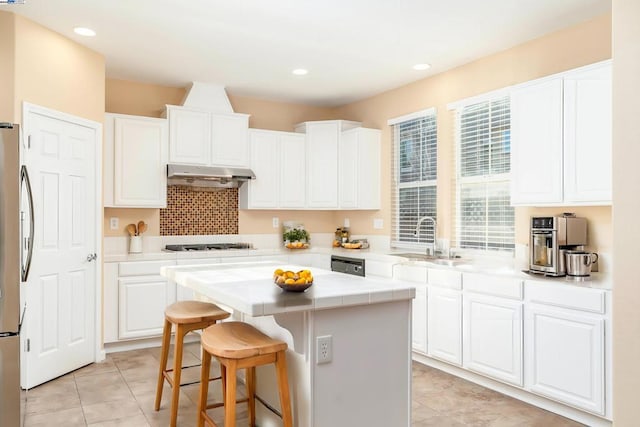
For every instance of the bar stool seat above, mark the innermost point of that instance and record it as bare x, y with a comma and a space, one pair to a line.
238, 345
187, 316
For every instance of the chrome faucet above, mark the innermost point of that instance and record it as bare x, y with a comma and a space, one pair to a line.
432, 250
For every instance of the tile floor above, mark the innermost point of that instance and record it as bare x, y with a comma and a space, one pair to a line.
121, 391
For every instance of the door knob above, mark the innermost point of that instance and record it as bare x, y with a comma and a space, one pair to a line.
92, 257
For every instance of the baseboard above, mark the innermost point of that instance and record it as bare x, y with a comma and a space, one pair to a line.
533, 399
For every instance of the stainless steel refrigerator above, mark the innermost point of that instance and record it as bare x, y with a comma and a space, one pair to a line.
13, 270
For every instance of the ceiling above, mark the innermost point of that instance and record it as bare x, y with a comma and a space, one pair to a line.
353, 49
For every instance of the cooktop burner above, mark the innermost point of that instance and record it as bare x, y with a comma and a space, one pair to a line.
208, 247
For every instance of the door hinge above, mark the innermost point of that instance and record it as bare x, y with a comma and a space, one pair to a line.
29, 142
27, 345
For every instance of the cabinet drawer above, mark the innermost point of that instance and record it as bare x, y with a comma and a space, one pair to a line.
410, 273
506, 287
140, 268
445, 278
567, 296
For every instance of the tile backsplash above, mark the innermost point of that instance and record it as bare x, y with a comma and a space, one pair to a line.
199, 211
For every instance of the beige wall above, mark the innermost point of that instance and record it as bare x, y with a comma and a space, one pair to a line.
140, 99
626, 198
569, 48
7, 47
55, 72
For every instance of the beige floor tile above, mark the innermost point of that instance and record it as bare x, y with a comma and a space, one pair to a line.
105, 366
61, 385
68, 418
135, 421
53, 403
102, 388
109, 411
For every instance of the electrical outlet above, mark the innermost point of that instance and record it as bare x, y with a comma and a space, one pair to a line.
377, 223
275, 222
324, 349
113, 223
347, 223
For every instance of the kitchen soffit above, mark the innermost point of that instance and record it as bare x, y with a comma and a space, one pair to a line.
352, 49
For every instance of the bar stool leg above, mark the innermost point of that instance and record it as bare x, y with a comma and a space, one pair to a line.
177, 371
204, 387
251, 395
283, 388
230, 401
164, 356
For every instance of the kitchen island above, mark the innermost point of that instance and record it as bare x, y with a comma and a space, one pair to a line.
367, 380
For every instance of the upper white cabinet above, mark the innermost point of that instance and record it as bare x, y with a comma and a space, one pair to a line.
135, 172
359, 169
343, 165
322, 143
561, 139
199, 137
278, 160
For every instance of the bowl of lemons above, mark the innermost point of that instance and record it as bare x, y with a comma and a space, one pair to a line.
293, 281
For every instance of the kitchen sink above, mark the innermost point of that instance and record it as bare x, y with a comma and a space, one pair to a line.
439, 260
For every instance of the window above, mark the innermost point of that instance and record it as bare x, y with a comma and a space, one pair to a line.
413, 173
484, 216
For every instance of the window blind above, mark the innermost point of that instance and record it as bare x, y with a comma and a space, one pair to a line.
413, 173
483, 214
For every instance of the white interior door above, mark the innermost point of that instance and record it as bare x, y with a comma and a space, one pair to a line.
61, 287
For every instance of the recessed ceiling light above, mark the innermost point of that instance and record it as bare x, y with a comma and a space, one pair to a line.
88, 32
421, 67
300, 72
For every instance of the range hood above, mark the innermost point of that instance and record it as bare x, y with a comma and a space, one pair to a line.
208, 176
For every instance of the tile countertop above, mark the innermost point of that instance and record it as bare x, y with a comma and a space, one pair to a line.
249, 288
502, 268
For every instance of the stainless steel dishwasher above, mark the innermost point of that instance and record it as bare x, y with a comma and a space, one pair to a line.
343, 264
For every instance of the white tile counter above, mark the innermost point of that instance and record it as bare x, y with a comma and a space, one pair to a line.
249, 287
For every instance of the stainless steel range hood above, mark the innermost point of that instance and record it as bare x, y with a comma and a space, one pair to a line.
208, 176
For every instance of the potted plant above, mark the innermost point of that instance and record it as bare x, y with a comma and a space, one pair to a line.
296, 237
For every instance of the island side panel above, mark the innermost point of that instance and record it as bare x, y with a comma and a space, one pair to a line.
368, 382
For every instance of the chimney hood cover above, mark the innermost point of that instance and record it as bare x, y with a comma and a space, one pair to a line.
208, 176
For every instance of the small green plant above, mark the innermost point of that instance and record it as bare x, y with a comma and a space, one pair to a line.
296, 235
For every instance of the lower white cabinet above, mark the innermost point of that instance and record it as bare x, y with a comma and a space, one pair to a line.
492, 337
141, 305
444, 324
135, 297
566, 356
419, 320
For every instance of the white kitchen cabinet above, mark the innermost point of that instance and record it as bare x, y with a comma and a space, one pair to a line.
444, 324
135, 297
561, 139
565, 345
142, 301
278, 160
359, 169
136, 152
419, 320
536, 143
587, 136
200, 137
492, 337
322, 142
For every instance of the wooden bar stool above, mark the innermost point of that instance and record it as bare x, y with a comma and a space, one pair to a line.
187, 316
238, 345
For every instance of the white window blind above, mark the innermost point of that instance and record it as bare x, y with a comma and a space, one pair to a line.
413, 173
484, 217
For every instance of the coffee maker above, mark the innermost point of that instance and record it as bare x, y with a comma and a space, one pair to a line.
550, 238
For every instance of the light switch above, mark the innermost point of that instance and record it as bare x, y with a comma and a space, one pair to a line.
113, 223
347, 223
275, 222
377, 223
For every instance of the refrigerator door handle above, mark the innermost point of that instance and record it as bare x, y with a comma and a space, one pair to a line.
26, 265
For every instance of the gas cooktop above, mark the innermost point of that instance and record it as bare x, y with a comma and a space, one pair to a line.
208, 247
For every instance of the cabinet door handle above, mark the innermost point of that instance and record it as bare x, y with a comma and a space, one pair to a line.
92, 257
